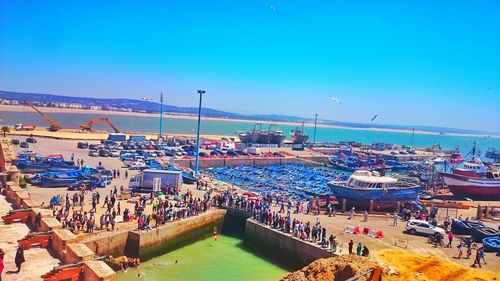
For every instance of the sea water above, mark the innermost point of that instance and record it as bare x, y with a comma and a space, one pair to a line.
224, 259
211, 127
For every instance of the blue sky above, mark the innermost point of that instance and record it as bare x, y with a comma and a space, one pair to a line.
411, 62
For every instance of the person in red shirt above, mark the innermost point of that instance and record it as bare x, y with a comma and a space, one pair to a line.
1, 263
450, 239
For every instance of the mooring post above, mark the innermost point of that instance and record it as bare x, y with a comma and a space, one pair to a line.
486, 212
479, 212
344, 204
371, 207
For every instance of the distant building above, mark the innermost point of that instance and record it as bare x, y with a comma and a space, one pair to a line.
96, 107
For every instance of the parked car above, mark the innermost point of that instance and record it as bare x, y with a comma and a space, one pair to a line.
137, 165
423, 227
93, 153
78, 185
103, 153
31, 140
28, 152
114, 153
82, 145
94, 146
24, 145
15, 141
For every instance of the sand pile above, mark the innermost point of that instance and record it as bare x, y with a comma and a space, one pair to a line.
336, 268
404, 265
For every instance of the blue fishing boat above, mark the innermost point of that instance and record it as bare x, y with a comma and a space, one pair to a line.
464, 227
58, 179
363, 186
460, 228
491, 244
479, 233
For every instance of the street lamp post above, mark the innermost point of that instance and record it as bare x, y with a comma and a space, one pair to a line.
196, 164
161, 113
315, 123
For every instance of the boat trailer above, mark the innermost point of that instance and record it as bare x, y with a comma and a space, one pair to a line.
41, 239
19, 214
71, 272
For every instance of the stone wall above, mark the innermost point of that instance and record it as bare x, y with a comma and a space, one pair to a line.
255, 161
113, 244
147, 244
62, 239
281, 246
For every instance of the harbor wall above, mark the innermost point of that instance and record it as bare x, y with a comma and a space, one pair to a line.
148, 244
113, 244
282, 247
232, 162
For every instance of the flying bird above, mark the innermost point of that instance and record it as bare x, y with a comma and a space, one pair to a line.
335, 100
374, 117
272, 8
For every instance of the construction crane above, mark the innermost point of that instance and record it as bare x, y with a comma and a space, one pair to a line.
88, 127
54, 125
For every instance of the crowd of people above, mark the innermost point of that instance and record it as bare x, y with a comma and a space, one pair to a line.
261, 211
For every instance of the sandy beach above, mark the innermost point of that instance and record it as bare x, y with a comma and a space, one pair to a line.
13, 108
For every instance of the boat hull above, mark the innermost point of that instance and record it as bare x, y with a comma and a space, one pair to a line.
277, 139
56, 182
474, 188
382, 199
298, 139
478, 234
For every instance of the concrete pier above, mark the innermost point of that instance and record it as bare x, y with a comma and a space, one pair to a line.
282, 246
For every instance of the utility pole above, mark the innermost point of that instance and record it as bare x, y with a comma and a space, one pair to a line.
161, 113
196, 165
315, 124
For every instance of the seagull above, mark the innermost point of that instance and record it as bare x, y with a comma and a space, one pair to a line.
374, 117
336, 100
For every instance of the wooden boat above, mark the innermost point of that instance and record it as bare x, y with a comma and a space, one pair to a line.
478, 234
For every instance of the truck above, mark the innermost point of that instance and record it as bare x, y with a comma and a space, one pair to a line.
151, 180
117, 137
24, 127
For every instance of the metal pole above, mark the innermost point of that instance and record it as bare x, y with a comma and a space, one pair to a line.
315, 123
161, 113
196, 165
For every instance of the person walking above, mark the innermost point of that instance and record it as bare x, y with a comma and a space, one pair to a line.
481, 252
477, 260
365, 216
19, 259
359, 249
395, 219
351, 244
450, 239
461, 249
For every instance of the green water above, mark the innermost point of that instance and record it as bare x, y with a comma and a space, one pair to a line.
224, 259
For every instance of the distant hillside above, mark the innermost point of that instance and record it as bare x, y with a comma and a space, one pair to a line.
153, 107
